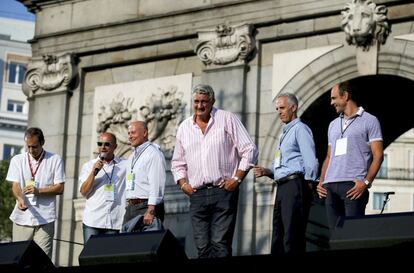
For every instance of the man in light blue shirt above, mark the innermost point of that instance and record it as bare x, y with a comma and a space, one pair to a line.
294, 166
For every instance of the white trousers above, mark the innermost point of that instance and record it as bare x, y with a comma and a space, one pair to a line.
42, 235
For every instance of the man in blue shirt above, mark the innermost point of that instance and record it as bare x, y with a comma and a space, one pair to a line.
353, 158
294, 167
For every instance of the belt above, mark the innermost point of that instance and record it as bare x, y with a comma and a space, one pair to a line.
288, 178
136, 201
208, 186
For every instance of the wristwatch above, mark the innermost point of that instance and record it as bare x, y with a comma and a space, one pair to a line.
236, 178
367, 183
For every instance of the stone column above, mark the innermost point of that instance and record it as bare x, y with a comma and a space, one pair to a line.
48, 85
225, 51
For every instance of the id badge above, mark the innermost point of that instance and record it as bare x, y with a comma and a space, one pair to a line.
130, 181
277, 159
31, 197
109, 192
341, 145
30, 182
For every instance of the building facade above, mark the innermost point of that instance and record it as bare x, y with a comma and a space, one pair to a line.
15, 53
395, 180
97, 64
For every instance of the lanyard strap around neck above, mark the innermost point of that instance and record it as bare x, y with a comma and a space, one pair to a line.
282, 137
112, 172
342, 128
38, 164
138, 154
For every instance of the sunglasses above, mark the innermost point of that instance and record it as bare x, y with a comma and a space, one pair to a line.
106, 144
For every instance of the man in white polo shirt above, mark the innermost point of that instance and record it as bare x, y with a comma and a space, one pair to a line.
37, 177
102, 183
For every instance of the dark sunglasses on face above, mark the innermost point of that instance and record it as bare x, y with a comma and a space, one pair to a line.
106, 144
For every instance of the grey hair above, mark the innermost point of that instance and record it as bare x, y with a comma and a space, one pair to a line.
292, 99
204, 89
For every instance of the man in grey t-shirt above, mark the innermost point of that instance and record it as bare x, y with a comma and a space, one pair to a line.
353, 158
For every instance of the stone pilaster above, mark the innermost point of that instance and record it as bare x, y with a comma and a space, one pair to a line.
225, 52
48, 85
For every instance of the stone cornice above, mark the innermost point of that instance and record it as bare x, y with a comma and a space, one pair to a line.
181, 26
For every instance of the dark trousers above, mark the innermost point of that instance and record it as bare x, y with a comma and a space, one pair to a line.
290, 217
213, 214
337, 204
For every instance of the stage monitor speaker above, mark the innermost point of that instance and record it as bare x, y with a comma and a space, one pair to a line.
136, 247
393, 230
23, 255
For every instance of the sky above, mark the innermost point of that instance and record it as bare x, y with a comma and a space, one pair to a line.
16, 10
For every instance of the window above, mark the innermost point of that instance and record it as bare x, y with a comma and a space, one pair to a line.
15, 68
10, 150
15, 106
378, 202
16, 72
383, 171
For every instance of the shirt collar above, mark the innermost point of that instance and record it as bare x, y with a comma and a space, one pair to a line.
358, 113
135, 149
42, 155
212, 114
286, 127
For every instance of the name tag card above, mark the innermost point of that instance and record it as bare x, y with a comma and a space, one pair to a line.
31, 197
340, 147
130, 179
109, 192
277, 159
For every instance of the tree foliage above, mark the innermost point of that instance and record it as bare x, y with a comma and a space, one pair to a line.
7, 203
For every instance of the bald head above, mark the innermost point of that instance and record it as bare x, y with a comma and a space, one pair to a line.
137, 133
109, 136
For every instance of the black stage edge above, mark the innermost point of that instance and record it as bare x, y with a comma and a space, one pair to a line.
377, 242
378, 258
387, 258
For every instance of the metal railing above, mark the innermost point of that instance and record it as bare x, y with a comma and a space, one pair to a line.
396, 173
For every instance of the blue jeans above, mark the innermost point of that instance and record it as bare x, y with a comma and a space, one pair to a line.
89, 231
338, 205
213, 214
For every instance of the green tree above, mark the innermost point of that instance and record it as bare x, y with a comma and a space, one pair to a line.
7, 203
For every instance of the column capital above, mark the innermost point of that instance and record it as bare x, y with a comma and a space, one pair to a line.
49, 73
226, 45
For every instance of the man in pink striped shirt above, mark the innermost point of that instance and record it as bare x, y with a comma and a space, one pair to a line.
212, 155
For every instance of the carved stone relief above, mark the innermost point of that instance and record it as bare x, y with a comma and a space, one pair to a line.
225, 44
49, 73
365, 23
114, 118
163, 113
161, 103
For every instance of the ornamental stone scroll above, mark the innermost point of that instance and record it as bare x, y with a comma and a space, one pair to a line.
49, 73
226, 45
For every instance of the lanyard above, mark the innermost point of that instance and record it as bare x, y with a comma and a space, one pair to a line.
38, 164
342, 128
284, 135
135, 159
112, 173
